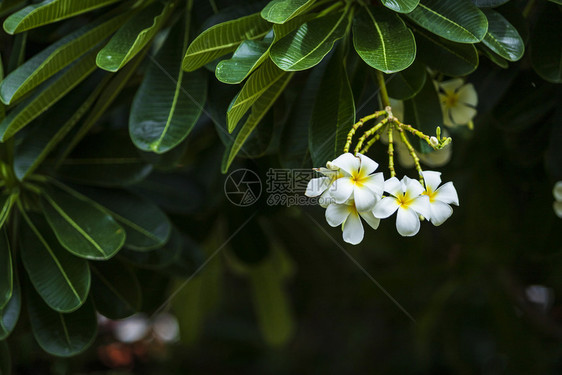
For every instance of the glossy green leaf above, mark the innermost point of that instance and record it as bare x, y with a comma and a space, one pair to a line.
147, 227
157, 258
6, 203
459, 21
247, 57
222, 39
407, 83
80, 226
105, 160
280, 11
450, 58
169, 101
49, 11
383, 40
133, 36
55, 57
259, 108
424, 112
546, 46
495, 58
38, 143
115, 289
6, 270
401, 6
489, 3
333, 113
60, 278
5, 359
10, 313
47, 94
306, 46
502, 37
62, 335
260, 82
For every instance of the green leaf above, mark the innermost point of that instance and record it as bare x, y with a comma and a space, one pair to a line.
502, 37
6, 203
247, 57
5, 359
60, 278
459, 21
258, 110
105, 159
55, 57
257, 85
450, 58
495, 58
49, 11
169, 102
6, 270
48, 94
38, 143
280, 11
489, 3
546, 48
333, 113
80, 226
423, 112
222, 39
306, 46
401, 6
157, 258
147, 227
115, 289
62, 335
383, 40
407, 83
133, 36
10, 313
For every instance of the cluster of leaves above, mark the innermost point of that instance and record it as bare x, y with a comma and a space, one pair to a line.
70, 182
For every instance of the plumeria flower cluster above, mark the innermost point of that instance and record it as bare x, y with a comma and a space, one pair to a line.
458, 102
351, 190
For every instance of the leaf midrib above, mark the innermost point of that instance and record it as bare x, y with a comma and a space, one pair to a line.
448, 20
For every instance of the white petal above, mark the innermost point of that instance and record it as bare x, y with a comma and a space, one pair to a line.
447, 194
421, 206
326, 199
332, 173
317, 186
353, 229
447, 118
557, 191
467, 95
450, 86
342, 189
370, 219
462, 114
365, 199
393, 186
432, 179
368, 165
407, 222
385, 207
557, 208
440, 212
413, 187
347, 162
375, 183
337, 213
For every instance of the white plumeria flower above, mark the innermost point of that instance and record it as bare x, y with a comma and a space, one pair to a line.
358, 183
349, 218
320, 186
440, 198
406, 198
458, 102
557, 205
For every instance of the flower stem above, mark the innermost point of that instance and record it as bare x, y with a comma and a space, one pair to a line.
412, 154
383, 92
369, 133
357, 125
391, 150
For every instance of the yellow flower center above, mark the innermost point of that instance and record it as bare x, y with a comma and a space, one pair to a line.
404, 200
431, 194
451, 100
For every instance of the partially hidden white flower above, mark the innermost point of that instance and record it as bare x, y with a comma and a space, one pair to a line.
358, 182
347, 215
406, 198
458, 102
557, 193
320, 186
440, 197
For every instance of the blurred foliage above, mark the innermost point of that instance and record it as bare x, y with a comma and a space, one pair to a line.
118, 117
